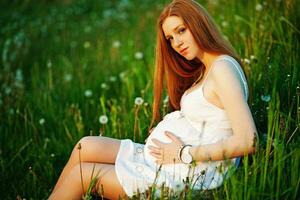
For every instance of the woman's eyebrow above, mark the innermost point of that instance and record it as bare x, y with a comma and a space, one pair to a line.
174, 29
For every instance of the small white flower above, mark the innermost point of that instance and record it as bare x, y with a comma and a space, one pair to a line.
103, 85
42, 121
19, 75
262, 27
265, 98
258, 7
86, 44
103, 119
247, 61
224, 23
68, 77
88, 93
138, 55
49, 64
252, 57
116, 44
288, 75
138, 101
122, 75
112, 79
52, 155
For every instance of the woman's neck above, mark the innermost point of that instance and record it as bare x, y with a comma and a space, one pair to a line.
207, 59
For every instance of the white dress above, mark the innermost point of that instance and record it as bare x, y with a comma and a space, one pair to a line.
198, 122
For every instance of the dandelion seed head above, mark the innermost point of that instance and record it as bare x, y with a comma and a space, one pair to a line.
224, 23
88, 93
138, 55
103, 119
49, 64
52, 155
7, 90
86, 44
247, 61
258, 7
262, 27
122, 75
68, 77
112, 79
103, 85
265, 98
42, 121
138, 101
116, 44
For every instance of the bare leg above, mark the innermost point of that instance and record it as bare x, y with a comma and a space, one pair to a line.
94, 149
71, 188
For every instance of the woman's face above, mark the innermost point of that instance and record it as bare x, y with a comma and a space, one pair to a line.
180, 37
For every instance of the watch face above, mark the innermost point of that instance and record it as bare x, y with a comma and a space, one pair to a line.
186, 156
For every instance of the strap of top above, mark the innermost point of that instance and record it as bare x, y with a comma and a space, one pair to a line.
236, 66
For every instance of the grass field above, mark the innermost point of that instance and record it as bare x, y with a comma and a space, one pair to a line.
66, 63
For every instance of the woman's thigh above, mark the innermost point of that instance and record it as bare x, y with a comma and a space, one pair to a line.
107, 179
98, 149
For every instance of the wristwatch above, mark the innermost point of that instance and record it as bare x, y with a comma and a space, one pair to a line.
185, 155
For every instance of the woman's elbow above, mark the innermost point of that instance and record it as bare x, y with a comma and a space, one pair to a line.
252, 144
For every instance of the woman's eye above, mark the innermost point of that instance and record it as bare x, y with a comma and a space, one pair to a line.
181, 30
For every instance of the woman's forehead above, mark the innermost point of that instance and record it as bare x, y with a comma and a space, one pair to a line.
171, 24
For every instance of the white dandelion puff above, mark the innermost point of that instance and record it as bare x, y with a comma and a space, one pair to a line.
258, 7
116, 44
68, 77
122, 75
88, 93
247, 61
103, 85
252, 57
42, 121
138, 55
224, 23
265, 98
112, 79
49, 64
103, 119
52, 155
86, 44
138, 101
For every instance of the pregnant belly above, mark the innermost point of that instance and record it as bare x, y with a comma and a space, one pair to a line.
176, 124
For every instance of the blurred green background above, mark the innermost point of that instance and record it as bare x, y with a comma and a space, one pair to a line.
66, 63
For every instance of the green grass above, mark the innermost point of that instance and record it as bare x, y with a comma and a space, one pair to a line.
55, 54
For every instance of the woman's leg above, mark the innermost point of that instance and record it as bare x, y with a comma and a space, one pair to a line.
71, 188
94, 149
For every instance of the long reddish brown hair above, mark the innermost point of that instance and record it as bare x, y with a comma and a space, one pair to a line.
174, 71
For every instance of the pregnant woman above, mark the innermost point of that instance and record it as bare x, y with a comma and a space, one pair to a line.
209, 128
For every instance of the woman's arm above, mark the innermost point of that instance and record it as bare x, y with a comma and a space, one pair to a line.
229, 89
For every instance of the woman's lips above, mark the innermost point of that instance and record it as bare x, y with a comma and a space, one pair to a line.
184, 51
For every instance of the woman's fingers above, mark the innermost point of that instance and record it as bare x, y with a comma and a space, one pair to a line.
156, 155
172, 137
154, 149
157, 142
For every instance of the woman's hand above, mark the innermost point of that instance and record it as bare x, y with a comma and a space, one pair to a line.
166, 153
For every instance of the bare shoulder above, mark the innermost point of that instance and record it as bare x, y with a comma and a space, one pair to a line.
226, 68
228, 75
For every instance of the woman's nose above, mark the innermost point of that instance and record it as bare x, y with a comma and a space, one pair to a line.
177, 42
